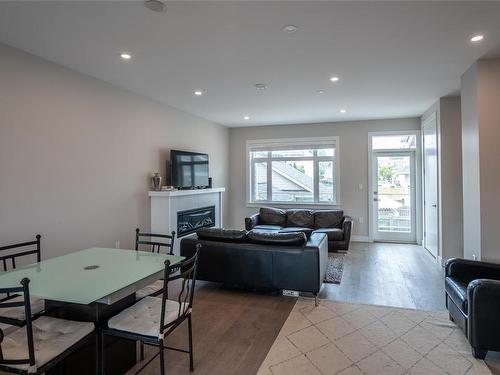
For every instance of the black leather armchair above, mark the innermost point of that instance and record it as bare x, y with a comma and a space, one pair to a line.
473, 301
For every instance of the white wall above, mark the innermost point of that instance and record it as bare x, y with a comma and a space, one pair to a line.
353, 162
481, 159
76, 155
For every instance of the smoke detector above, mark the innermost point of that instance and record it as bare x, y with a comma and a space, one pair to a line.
155, 5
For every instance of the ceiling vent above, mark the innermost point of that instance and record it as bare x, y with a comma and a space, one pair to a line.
155, 5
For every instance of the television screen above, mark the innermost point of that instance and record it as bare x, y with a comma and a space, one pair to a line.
189, 169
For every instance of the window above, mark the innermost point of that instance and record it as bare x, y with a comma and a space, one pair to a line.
293, 171
394, 142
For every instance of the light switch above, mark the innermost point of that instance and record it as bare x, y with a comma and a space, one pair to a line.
360, 186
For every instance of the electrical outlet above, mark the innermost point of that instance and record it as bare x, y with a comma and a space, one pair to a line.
474, 256
361, 219
360, 186
117, 244
290, 293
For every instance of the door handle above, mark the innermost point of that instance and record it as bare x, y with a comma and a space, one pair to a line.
434, 205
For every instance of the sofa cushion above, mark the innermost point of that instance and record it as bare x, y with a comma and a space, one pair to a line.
272, 216
328, 218
333, 234
223, 235
300, 218
306, 231
268, 227
276, 238
457, 291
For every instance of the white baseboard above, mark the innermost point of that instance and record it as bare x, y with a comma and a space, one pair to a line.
360, 239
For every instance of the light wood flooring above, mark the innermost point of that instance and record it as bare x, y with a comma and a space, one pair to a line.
389, 274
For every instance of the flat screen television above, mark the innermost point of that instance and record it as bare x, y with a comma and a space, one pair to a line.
189, 170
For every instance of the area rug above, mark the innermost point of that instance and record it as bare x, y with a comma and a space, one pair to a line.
335, 268
350, 339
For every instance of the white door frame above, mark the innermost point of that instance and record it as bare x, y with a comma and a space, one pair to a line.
418, 180
433, 117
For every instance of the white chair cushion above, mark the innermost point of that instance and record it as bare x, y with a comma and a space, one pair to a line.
143, 318
148, 290
6, 329
37, 306
52, 337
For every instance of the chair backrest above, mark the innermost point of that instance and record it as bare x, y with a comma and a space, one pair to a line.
186, 271
155, 241
24, 291
7, 256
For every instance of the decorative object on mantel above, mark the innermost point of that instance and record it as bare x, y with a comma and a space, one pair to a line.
156, 182
335, 268
168, 188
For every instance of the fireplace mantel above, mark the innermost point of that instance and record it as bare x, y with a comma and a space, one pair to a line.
165, 205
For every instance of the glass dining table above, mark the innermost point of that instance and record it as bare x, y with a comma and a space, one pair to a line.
92, 285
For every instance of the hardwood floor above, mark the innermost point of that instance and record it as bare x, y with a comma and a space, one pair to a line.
234, 329
389, 274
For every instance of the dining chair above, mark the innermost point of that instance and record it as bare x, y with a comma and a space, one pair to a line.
41, 343
155, 243
152, 319
8, 256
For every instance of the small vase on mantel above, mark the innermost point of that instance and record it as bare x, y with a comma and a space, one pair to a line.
156, 182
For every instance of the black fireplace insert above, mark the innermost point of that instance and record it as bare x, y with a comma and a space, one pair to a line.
189, 221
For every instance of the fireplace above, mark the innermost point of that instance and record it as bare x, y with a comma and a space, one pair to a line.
189, 221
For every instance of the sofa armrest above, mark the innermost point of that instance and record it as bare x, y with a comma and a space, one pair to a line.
483, 297
468, 270
346, 228
252, 221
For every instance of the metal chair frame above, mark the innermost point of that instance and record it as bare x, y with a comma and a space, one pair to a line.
187, 272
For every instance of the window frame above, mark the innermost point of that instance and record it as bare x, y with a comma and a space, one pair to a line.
284, 142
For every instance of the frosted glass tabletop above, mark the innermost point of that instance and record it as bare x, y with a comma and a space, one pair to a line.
91, 275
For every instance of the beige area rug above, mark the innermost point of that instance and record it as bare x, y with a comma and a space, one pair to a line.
350, 339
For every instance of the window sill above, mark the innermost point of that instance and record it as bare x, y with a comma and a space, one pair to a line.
292, 205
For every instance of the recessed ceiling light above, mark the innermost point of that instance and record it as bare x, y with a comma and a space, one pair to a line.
476, 38
246, 118
198, 93
290, 28
260, 86
155, 5
321, 91
343, 110
334, 79
125, 56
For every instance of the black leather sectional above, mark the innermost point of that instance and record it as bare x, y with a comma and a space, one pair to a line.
267, 260
333, 223
473, 301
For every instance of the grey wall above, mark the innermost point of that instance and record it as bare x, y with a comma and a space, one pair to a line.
470, 164
480, 90
450, 155
353, 162
76, 155
488, 92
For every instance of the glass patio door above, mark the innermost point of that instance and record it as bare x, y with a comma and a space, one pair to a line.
394, 196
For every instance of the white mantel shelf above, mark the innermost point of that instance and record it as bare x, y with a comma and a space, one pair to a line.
175, 193
165, 205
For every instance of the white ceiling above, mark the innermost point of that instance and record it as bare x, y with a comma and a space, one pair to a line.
394, 59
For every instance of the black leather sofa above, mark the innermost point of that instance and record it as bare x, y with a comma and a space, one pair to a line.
473, 301
333, 223
267, 260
